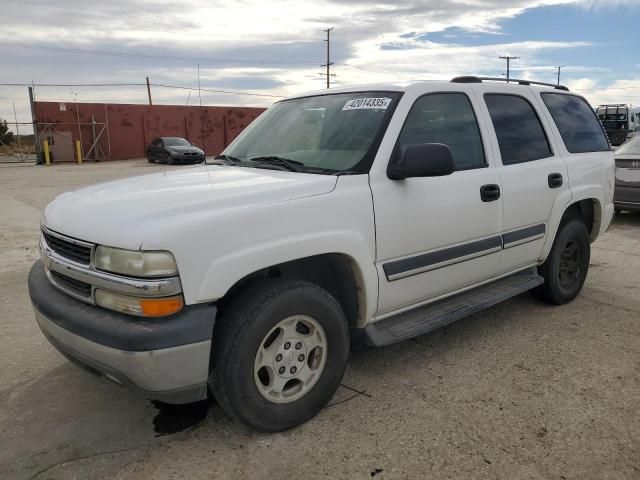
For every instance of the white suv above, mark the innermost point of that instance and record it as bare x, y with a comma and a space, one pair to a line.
369, 214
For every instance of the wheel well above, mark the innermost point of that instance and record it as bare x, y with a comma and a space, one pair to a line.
334, 272
588, 211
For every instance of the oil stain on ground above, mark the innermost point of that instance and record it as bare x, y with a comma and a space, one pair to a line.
177, 418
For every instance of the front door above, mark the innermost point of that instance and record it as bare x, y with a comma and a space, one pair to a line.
437, 235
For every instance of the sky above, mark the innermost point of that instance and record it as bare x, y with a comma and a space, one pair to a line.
271, 49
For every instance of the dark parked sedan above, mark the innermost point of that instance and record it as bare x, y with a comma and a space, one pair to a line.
174, 150
627, 193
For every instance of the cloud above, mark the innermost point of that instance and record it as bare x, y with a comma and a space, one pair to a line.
265, 46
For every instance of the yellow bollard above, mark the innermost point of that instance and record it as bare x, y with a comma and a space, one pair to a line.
47, 156
79, 151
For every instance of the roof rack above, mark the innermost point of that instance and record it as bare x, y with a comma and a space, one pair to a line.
474, 79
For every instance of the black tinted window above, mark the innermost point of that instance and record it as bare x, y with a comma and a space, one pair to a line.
445, 118
520, 134
578, 125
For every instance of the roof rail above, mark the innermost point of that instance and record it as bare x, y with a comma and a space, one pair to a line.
474, 79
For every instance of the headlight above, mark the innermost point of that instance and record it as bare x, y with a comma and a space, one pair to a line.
135, 263
143, 307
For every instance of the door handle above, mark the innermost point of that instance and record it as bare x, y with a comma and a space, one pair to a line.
555, 180
490, 193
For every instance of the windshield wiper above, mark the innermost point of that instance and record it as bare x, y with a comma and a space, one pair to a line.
291, 165
228, 159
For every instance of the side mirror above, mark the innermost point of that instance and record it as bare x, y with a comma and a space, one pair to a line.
422, 160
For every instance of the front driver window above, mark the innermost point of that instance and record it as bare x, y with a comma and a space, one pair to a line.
446, 118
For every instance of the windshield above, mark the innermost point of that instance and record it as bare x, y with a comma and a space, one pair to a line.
632, 147
176, 142
321, 134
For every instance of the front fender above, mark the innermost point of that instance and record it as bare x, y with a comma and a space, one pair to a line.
228, 269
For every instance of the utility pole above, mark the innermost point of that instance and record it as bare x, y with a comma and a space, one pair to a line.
149, 91
200, 108
329, 62
508, 59
36, 138
559, 67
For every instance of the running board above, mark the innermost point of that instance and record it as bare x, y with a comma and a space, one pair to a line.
443, 312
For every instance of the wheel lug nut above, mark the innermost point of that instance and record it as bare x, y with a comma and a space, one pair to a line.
298, 346
281, 370
293, 369
301, 358
287, 345
278, 357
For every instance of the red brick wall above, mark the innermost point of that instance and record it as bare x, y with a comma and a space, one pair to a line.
132, 127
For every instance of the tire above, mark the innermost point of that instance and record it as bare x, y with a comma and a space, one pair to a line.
169, 160
248, 324
566, 267
150, 158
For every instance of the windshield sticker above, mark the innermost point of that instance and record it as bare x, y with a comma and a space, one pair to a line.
367, 104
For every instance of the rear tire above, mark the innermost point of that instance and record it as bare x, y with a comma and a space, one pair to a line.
566, 267
150, 158
279, 353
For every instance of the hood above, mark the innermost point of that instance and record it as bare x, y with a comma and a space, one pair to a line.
124, 213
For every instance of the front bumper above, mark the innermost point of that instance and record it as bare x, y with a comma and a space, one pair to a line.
164, 359
188, 158
627, 198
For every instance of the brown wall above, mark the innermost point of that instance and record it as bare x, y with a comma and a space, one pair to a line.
132, 127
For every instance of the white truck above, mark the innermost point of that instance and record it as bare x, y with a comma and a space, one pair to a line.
358, 215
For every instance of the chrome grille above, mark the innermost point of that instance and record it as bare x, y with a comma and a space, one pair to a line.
67, 249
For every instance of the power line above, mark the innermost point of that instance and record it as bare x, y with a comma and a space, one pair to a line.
30, 84
162, 85
217, 91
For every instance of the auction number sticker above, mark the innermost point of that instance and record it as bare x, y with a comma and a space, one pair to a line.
380, 103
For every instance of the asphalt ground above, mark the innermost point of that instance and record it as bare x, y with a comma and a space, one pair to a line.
520, 391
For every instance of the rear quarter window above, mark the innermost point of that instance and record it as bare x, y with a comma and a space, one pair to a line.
579, 127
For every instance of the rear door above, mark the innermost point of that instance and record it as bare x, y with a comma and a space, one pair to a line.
533, 174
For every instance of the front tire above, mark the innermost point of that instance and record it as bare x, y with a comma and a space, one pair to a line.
566, 267
279, 353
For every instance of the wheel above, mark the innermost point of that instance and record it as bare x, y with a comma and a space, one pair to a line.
150, 158
565, 269
279, 352
169, 159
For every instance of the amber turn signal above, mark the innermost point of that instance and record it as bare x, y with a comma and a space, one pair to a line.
161, 307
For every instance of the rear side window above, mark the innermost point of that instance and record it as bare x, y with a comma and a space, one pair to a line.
518, 128
446, 118
578, 125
